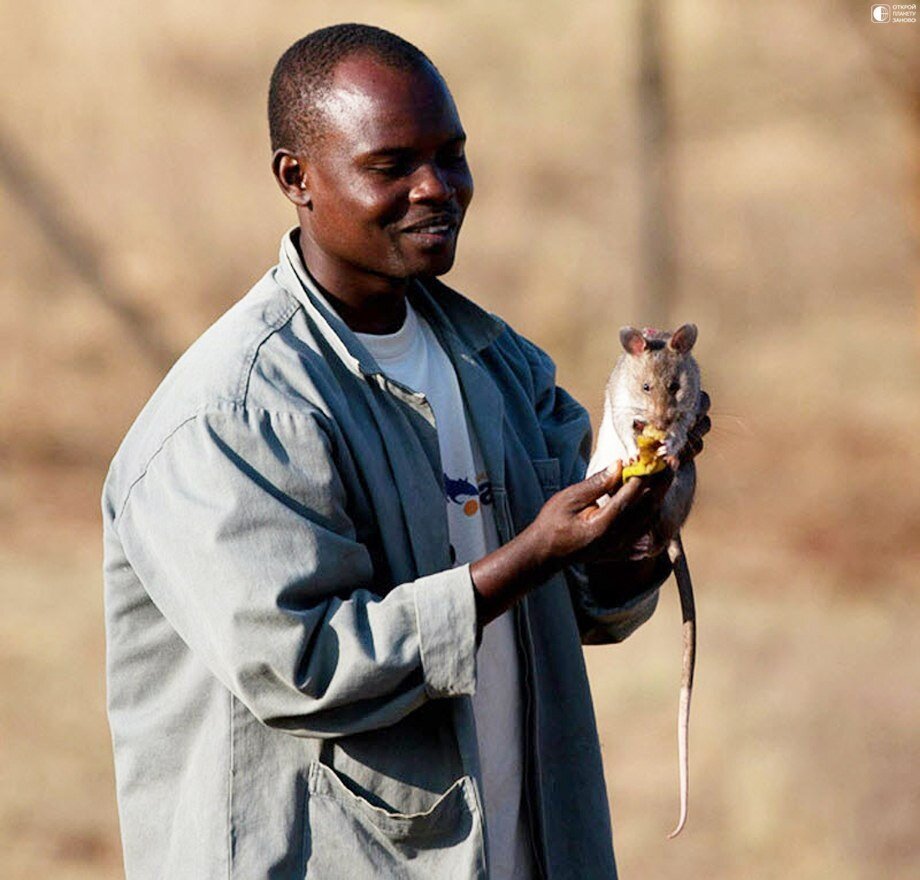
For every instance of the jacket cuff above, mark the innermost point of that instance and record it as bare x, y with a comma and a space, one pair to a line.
601, 623
445, 610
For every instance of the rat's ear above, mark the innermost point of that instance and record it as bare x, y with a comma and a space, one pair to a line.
632, 340
682, 338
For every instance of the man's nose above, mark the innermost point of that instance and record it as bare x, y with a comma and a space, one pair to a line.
431, 185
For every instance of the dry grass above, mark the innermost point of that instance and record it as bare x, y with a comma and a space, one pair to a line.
802, 740
795, 260
802, 744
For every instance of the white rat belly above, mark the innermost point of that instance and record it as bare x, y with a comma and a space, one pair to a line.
611, 447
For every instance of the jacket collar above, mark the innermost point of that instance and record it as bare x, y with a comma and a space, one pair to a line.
452, 315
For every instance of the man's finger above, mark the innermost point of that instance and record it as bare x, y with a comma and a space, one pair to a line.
652, 490
705, 403
658, 484
589, 490
625, 496
700, 427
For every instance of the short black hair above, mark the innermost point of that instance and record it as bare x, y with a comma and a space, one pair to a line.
304, 72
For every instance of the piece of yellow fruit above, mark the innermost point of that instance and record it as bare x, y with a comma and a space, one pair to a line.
648, 462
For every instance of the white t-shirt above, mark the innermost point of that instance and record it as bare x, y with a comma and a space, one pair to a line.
414, 358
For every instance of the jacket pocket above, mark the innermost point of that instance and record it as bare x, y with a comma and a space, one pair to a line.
346, 836
548, 473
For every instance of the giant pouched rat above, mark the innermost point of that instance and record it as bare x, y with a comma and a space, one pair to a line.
656, 383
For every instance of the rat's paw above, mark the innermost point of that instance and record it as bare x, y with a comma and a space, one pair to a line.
649, 460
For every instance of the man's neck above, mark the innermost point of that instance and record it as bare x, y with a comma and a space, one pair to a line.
376, 308
377, 315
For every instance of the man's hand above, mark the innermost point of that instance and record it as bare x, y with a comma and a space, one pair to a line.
636, 521
571, 527
625, 576
694, 445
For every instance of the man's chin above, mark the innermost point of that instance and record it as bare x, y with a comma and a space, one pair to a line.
434, 264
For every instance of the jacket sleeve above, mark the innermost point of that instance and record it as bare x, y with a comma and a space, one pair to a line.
238, 531
566, 428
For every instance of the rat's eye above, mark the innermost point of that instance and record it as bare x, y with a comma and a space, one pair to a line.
646, 387
674, 387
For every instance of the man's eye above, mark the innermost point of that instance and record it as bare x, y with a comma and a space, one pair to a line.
391, 168
453, 157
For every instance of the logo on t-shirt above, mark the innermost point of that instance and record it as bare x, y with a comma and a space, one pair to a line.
469, 495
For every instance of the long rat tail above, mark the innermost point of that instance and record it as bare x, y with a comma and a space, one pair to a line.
688, 612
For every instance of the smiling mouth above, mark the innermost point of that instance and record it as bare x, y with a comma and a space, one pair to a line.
434, 228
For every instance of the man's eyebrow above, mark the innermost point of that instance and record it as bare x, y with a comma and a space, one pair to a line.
387, 153
402, 152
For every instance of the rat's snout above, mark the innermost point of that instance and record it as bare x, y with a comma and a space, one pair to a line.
664, 417
662, 421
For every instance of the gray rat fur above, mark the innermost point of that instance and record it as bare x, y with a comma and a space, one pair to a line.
656, 381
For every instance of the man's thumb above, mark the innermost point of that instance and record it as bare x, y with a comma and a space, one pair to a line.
601, 483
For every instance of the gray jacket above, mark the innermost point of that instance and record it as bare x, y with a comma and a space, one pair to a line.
290, 654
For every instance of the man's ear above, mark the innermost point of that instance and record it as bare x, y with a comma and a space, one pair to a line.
291, 174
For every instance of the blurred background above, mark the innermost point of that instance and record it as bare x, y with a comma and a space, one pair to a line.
751, 167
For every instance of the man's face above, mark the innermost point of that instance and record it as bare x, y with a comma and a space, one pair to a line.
387, 183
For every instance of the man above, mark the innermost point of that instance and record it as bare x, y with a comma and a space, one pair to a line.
344, 592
